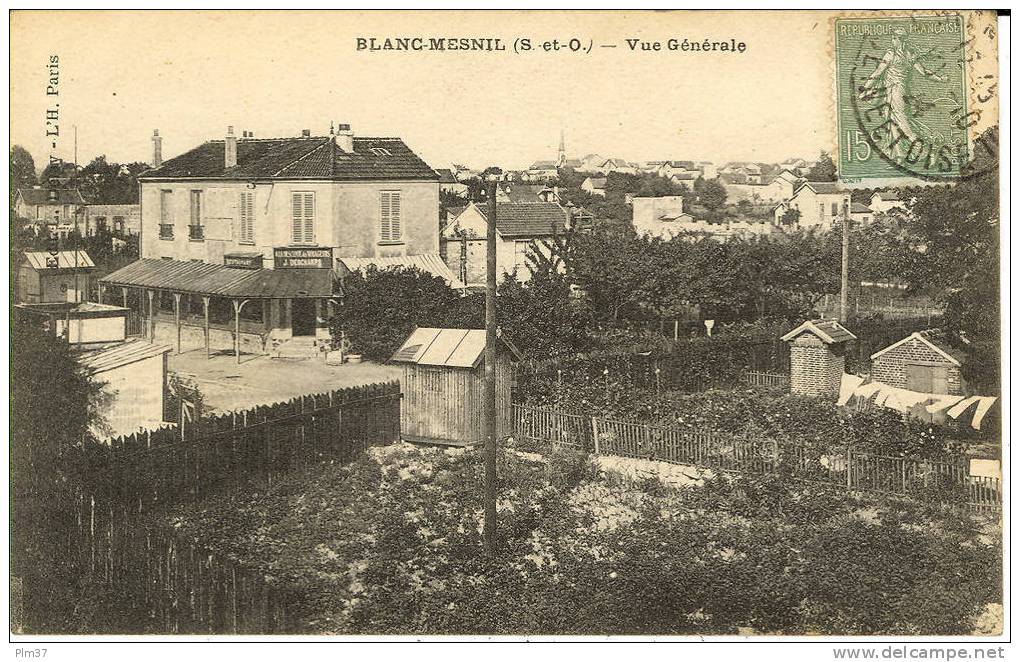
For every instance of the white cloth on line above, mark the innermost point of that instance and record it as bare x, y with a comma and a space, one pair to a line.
868, 390
962, 406
943, 402
847, 385
984, 404
902, 399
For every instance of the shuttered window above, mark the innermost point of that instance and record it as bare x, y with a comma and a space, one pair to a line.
303, 215
246, 226
389, 208
166, 215
196, 208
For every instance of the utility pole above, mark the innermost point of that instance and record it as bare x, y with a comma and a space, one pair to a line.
489, 527
844, 278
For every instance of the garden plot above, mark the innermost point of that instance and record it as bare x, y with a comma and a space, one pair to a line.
392, 543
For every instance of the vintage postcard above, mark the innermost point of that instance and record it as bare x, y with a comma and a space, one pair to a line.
508, 324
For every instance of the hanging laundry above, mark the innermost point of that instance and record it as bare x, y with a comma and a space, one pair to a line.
901, 399
984, 404
943, 402
867, 390
962, 406
847, 385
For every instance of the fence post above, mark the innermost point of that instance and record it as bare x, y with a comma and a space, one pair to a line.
595, 433
849, 471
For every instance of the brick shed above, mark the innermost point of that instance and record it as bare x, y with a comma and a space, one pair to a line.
817, 357
918, 363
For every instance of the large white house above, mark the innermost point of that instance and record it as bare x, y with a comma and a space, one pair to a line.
240, 237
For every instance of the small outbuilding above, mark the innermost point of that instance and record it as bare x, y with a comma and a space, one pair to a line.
918, 363
54, 277
444, 385
134, 377
818, 357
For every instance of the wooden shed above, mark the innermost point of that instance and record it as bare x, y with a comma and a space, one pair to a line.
443, 386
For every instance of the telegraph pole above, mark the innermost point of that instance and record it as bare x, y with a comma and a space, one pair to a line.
489, 527
844, 278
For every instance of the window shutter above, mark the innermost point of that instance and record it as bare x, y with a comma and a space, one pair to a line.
389, 213
395, 216
384, 230
309, 218
296, 215
247, 226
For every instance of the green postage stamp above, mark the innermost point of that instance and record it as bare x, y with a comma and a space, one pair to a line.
901, 97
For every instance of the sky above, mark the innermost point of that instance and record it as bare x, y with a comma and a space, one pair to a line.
191, 74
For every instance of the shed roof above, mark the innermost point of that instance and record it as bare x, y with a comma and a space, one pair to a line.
220, 280
945, 353
451, 348
299, 158
116, 356
41, 260
829, 331
858, 208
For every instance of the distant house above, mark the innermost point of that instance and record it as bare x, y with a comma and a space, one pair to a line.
591, 163
118, 219
820, 203
861, 213
463, 173
527, 193
594, 186
449, 183
781, 187
540, 170
799, 167
671, 169
659, 217
59, 208
134, 376
51, 278
617, 165
918, 363
883, 202
520, 228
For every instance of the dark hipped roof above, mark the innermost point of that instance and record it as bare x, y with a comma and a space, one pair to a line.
299, 158
527, 219
220, 280
41, 196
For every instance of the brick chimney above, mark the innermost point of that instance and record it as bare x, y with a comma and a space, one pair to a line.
157, 149
344, 138
818, 357
230, 149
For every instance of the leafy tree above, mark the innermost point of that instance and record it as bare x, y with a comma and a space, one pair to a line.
54, 402
711, 193
790, 217
824, 169
22, 168
380, 309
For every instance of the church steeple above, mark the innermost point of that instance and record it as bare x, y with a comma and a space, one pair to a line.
562, 159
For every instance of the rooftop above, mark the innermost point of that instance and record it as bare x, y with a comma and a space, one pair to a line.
116, 356
298, 158
523, 219
41, 260
452, 348
828, 330
41, 196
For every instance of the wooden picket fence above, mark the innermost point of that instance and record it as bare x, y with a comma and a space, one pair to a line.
920, 479
756, 378
175, 585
